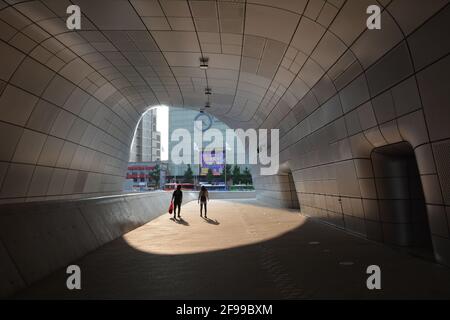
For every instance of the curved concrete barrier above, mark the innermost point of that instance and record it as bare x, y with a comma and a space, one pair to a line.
38, 238
232, 194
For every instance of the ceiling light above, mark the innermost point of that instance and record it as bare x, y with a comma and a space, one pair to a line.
204, 63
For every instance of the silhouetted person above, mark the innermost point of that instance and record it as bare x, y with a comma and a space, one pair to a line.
177, 198
203, 197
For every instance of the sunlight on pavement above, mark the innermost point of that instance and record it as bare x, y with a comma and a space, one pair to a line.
230, 224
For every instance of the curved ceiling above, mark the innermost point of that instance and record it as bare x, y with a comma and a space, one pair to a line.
77, 95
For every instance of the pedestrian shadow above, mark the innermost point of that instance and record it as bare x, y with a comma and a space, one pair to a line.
210, 221
180, 221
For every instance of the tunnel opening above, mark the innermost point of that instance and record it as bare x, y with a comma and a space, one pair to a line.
295, 203
402, 208
284, 189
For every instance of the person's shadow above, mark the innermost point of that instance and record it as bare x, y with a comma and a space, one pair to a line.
210, 221
180, 221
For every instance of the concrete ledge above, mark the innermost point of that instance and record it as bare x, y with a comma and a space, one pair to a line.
38, 238
232, 194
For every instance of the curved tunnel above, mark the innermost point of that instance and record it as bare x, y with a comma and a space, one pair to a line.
70, 100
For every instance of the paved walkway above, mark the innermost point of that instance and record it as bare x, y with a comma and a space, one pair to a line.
244, 251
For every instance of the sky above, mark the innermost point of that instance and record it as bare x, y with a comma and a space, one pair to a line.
162, 125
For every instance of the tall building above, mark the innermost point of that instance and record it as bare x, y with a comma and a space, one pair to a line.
146, 144
180, 118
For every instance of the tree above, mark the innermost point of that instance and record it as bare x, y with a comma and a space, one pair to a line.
209, 176
228, 171
188, 175
155, 174
236, 174
247, 176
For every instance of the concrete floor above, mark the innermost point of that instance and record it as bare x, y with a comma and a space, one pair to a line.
244, 251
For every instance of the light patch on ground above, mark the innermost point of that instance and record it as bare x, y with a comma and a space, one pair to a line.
228, 227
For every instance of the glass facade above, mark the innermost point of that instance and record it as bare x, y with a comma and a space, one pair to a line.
185, 119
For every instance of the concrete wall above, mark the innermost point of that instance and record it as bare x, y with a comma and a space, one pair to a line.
232, 195
39, 238
395, 91
277, 190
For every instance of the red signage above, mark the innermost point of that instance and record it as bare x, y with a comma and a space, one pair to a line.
137, 168
136, 175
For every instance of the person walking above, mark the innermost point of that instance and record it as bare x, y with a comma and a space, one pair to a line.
177, 198
203, 197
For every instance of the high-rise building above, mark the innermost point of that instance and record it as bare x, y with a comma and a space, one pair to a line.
180, 118
146, 144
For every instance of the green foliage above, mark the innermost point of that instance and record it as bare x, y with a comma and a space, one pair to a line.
246, 176
189, 175
155, 174
209, 176
236, 174
228, 171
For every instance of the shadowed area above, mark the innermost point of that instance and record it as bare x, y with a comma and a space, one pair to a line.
250, 251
